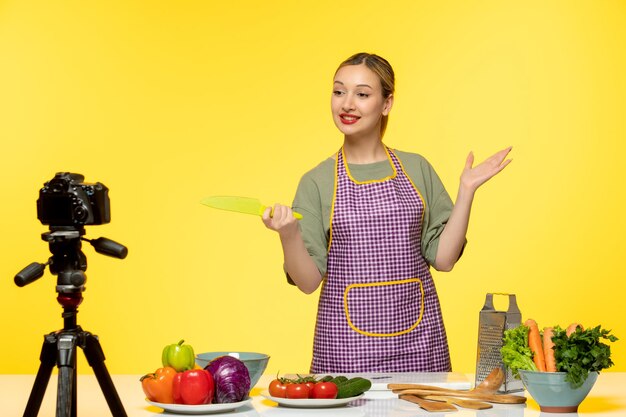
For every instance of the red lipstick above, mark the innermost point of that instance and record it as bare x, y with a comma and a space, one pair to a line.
348, 119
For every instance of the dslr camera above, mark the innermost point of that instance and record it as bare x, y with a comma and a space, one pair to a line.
66, 200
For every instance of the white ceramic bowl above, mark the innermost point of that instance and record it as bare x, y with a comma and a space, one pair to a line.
255, 362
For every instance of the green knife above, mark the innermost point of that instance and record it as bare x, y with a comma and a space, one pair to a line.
239, 204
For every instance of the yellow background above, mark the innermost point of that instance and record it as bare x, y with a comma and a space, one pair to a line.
170, 102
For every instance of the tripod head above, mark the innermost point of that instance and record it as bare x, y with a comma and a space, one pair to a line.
67, 204
68, 261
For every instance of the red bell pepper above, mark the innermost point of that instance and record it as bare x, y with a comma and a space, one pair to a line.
193, 387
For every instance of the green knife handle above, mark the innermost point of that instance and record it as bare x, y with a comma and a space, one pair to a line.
298, 216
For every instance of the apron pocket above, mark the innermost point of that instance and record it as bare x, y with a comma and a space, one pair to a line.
384, 309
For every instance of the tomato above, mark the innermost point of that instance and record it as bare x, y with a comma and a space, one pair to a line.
310, 385
297, 391
278, 388
325, 390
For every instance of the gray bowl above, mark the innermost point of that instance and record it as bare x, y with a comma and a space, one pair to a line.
553, 393
255, 362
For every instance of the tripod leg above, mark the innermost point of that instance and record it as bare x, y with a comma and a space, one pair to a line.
95, 358
66, 391
48, 360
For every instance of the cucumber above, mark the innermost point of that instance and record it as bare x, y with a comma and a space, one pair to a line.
327, 378
353, 387
338, 380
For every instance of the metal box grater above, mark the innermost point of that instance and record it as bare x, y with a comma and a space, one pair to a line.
491, 327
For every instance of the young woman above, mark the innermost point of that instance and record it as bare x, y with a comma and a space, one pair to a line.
374, 221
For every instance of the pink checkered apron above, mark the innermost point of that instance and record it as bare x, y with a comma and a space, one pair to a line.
378, 309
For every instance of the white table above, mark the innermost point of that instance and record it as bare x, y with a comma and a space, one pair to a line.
607, 399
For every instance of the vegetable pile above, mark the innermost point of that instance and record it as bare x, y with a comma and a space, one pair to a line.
573, 350
328, 387
224, 380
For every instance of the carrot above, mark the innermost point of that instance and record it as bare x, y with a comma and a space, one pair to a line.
572, 328
548, 349
534, 343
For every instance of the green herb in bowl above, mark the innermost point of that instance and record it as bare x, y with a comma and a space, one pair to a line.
582, 352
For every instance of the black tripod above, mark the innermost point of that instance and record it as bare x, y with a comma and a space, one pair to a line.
59, 348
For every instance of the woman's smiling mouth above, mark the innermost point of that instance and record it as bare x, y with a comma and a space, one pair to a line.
348, 119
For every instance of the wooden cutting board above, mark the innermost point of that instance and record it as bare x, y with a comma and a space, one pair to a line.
451, 380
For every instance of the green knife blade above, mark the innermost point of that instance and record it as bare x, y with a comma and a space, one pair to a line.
239, 204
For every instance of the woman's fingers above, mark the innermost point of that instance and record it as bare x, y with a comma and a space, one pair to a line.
474, 177
495, 162
501, 163
280, 212
504, 164
469, 161
498, 157
278, 216
267, 217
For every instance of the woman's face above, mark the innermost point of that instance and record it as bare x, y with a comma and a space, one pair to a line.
357, 102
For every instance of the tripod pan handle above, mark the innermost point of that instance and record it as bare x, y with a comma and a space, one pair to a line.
109, 247
29, 274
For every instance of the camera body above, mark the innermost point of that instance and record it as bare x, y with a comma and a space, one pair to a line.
66, 200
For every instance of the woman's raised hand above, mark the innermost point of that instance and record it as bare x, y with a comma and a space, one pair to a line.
474, 177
